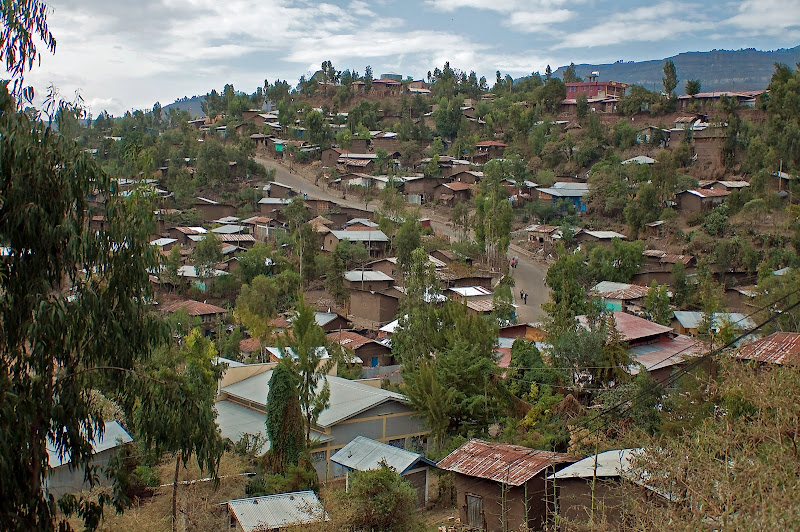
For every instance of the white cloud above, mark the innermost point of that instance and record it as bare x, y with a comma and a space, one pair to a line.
768, 17
530, 22
661, 22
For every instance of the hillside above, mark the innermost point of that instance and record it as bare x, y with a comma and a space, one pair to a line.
192, 105
718, 70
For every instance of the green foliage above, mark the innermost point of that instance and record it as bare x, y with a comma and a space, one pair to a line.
582, 105
493, 212
256, 304
284, 419
637, 100
462, 347
670, 79
692, 86
206, 255
527, 369
379, 499
618, 263
407, 239
503, 301
656, 304
308, 343
71, 302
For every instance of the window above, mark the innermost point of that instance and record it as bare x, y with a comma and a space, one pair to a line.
474, 511
318, 456
400, 443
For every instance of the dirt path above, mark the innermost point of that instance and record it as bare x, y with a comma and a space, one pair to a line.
528, 275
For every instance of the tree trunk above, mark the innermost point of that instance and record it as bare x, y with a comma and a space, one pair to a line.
175, 493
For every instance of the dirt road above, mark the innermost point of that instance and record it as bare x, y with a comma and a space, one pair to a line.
528, 275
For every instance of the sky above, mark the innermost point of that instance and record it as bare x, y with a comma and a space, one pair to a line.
123, 55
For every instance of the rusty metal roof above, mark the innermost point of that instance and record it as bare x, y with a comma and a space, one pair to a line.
777, 348
512, 465
632, 327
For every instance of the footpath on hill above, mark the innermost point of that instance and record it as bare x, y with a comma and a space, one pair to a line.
529, 274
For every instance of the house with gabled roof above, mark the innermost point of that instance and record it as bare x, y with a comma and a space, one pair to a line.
376, 242
372, 354
782, 348
210, 315
564, 191
276, 512
454, 192
63, 479
355, 409
365, 454
697, 200
501, 486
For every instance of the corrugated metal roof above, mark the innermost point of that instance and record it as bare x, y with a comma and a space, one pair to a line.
471, 291
361, 236
604, 235
664, 353
365, 454
193, 308
275, 511
777, 348
113, 432
348, 398
609, 464
512, 465
624, 291
356, 276
481, 305
633, 327
691, 319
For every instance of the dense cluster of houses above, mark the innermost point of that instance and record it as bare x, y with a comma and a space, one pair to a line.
499, 486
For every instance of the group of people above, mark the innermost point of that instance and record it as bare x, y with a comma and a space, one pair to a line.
523, 296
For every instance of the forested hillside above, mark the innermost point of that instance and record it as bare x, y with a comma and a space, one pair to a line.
720, 70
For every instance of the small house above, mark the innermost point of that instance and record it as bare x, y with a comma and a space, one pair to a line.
276, 512
564, 192
368, 280
372, 308
210, 315
371, 353
599, 237
501, 486
781, 348
62, 478
700, 199
595, 481
451, 193
375, 241
365, 454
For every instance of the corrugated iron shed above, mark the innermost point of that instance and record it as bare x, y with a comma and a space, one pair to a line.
365, 454
512, 465
276, 511
777, 348
633, 327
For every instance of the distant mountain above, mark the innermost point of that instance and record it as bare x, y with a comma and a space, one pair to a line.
717, 70
192, 105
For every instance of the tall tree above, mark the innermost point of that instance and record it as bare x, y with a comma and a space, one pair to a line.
570, 74
656, 303
312, 364
206, 255
407, 239
284, 422
187, 392
72, 313
670, 79
692, 87
493, 213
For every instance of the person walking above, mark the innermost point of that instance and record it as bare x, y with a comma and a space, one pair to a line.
525, 298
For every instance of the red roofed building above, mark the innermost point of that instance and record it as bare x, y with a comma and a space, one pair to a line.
371, 353
700, 200
777, 348
596, 89
454, 192
487, 150
501, 486
210, 315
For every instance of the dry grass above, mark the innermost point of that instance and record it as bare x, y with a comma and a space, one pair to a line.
198, 504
